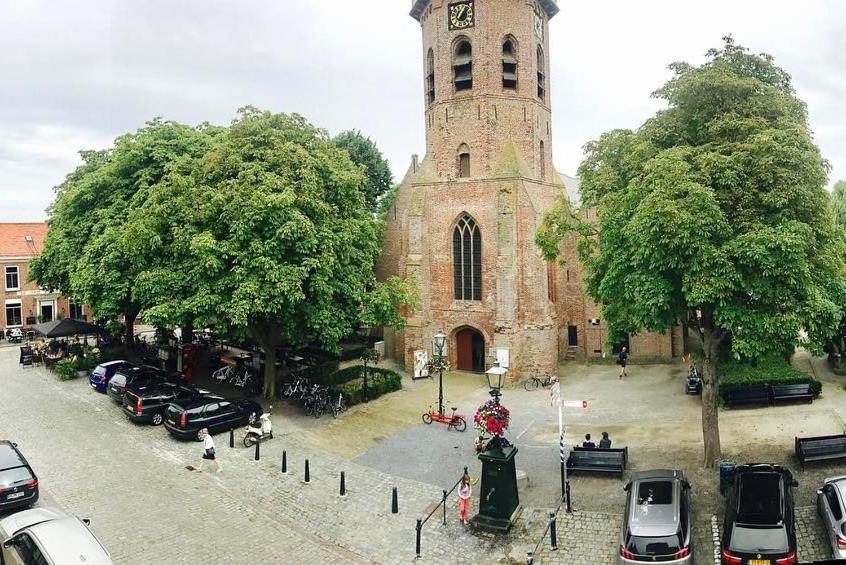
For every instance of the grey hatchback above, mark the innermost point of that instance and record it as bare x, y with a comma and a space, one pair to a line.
831, 505
656, 525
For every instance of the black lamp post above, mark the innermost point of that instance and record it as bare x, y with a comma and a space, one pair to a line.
364, 331
440, 340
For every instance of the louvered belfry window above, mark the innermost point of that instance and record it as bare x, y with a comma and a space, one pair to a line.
462, 66
467, 259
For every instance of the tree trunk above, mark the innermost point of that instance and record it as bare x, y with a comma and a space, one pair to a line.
710, 387
269, 392
129, 335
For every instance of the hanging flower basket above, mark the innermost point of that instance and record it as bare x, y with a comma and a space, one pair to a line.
437, 364
492, 419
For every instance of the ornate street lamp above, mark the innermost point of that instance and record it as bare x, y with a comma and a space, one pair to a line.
440, 340
496, 376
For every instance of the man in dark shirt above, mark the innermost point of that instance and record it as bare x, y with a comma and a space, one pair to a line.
587, 443
622, 359
605, 442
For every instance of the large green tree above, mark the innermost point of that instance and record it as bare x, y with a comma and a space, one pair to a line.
377, 173
94, 251
713, 211
284, 246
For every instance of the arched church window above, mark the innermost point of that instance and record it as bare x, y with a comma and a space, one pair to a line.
542, 161
430, 77
509, 64
467, 259
462, 66
463, 161
541, 75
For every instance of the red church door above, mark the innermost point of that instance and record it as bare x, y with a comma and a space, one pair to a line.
470, 347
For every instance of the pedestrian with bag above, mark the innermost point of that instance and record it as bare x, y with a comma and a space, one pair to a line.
208, 450
464, 492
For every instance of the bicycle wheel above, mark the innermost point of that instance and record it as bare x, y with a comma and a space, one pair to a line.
427, 418
532, 383
458, 423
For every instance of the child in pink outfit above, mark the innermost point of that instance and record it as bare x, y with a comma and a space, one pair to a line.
464, 492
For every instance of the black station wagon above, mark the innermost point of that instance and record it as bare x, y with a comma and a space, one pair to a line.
18, 483
185, 419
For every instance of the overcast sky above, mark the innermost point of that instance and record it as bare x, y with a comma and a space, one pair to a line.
76, 74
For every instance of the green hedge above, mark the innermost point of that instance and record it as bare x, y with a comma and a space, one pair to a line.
772, 370
317, 373
350, 381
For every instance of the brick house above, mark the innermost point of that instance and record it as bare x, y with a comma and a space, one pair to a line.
24, 303
465, 217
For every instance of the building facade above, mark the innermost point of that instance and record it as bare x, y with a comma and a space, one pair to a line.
465, 217
24, 303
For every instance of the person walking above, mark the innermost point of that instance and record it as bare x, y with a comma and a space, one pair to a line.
208, 451
464, 491
605, 442
622, 359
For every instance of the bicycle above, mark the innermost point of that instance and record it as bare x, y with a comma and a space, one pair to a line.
456, 421
533, 382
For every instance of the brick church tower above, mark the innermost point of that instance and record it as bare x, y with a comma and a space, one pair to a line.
465, 216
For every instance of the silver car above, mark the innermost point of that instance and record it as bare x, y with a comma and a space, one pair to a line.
656, 525
49, 536
831, 504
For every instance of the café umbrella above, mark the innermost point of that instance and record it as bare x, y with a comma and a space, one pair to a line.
66, 327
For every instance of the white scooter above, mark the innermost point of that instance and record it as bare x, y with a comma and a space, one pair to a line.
265, 431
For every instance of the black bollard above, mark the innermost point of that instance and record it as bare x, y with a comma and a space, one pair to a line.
343, 485
231, 437
258, 443
394, 502
553, 539
569, 501
307, 478
419, 528
284, 462
444, 503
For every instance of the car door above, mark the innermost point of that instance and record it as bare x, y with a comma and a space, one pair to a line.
832, 513
230, 415
211, 417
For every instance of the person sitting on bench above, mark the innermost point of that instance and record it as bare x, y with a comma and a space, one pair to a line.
587, 443
605, 442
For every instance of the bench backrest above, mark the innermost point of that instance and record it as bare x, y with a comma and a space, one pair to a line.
822, 444
754, 391
792, 389
611, 457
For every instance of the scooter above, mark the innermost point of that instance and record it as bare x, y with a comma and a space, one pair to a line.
265, 431
693, 385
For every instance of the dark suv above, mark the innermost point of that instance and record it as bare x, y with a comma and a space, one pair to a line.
18, 483
146, 404
656, 525
185, 419
134, 376
759, 527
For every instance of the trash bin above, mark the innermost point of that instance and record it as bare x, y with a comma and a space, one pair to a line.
726, 475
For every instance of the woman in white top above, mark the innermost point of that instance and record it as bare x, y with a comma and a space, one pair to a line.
208, 450
464, 491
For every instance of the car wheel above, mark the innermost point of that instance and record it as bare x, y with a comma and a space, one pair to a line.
253, 418
157, 419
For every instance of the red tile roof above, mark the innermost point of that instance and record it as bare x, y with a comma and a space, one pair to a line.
13, 239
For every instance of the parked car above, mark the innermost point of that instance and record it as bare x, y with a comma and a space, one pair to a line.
185, 419
49, 536
656, 524
759, 526
134, 376
103, 373
18, 483
831, 504
146, 403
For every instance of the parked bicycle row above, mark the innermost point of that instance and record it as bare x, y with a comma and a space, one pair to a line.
316, 399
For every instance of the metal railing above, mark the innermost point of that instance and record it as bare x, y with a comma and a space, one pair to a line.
553, 535
422, 521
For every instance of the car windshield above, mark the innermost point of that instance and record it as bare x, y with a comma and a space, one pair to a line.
655, 492
99, 370
11, 476
119, 379
759, 499
8, 457
748, 539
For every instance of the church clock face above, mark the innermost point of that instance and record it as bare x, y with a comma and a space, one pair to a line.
461, 15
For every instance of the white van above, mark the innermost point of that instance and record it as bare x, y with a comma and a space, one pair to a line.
51, 537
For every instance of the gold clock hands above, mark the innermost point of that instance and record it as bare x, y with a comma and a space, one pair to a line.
462, 10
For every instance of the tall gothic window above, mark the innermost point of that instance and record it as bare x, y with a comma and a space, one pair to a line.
541, 75
430, 77
467, 259
509, 64
462, 66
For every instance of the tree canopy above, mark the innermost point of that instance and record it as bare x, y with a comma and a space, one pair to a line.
377, 173
713, 211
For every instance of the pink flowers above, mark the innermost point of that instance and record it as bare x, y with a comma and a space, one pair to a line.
492, 418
